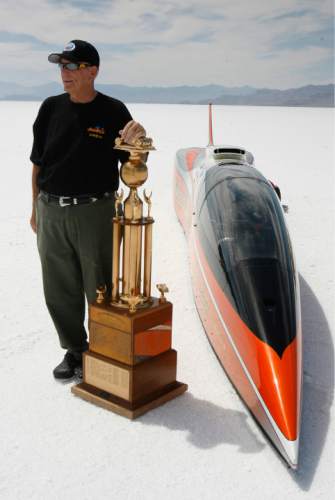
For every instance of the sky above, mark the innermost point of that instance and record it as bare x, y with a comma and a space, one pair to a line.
262, 43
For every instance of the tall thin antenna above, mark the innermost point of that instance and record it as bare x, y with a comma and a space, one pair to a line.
210, 143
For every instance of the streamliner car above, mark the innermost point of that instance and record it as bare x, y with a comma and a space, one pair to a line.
245, 282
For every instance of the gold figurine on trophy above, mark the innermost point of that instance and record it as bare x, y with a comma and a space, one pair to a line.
130, 367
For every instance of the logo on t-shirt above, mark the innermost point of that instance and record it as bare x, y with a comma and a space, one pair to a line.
97, 132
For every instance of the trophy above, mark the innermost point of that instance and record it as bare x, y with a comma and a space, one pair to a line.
130, 367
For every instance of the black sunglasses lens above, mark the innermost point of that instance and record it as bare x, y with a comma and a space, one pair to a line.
71, 66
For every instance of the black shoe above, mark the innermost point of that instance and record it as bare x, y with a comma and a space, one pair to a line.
68, 367
79, 372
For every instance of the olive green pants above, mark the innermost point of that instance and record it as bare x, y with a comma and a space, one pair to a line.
75, 248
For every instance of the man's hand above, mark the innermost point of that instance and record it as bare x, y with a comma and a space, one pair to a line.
131, 132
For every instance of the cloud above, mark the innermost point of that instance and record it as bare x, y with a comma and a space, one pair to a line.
279, 43
84, 5
289, 15
318, 38
153, 22
32, 41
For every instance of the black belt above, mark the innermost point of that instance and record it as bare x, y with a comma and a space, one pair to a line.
81, 199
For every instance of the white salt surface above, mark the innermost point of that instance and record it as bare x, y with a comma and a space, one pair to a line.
204, 444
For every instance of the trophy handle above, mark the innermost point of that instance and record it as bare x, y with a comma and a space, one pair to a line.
148, 201
118, 201
101, 290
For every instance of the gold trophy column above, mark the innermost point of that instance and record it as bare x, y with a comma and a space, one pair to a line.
132, 248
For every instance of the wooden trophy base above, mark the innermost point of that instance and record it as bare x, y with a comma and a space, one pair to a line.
123, 407
130, 367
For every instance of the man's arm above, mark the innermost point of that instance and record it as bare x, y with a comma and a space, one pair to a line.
35, 191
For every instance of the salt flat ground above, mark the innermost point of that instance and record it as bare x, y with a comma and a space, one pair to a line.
203, 445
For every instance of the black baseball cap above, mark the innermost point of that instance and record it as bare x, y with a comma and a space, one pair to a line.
77, 51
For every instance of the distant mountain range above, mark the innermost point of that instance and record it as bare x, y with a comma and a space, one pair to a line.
308, 96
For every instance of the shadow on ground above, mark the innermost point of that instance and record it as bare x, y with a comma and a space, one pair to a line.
318, 385
207, 424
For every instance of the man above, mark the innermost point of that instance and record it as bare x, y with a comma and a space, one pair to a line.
74, 179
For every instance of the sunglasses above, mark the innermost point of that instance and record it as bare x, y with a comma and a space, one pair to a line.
72, 66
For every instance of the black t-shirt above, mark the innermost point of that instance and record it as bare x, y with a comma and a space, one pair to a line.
73, 144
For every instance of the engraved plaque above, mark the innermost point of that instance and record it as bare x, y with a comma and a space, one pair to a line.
106, 376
